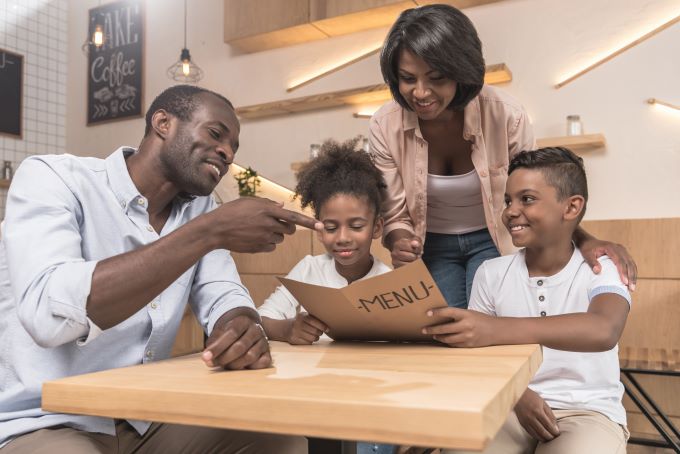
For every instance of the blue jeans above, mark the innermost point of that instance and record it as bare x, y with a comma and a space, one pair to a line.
453, 261
373, 448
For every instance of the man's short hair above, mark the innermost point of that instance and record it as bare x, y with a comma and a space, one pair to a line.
446, 40
180, 101
561, 168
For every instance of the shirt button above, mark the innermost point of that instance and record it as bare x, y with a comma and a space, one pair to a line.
543, 314
140, 201
123, 204
149, 228
149, 354
541, 298
540, 282
154, 305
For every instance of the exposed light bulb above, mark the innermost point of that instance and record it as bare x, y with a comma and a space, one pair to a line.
98, 36
184, 70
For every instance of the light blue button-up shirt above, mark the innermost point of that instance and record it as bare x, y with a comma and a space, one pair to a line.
63, 215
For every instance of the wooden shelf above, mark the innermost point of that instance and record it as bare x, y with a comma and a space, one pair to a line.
297, 165
253, 26
372, 94
4, 184
574, 143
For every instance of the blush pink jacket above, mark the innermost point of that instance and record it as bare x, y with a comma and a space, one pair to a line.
495, 123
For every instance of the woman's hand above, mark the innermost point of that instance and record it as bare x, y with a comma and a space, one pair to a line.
405, 247
592, 248
305, 330
536, 417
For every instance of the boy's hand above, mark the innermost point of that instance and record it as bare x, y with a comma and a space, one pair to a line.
466, 328
305, 330
536, 417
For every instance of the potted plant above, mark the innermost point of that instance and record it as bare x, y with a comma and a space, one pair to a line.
248, 182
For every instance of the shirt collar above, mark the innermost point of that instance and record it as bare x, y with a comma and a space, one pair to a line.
565, 274
122, 185
472, 120
119, 177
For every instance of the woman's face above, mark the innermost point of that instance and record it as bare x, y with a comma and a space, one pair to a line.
427, 91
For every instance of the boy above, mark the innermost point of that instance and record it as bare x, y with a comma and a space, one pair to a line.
547, 294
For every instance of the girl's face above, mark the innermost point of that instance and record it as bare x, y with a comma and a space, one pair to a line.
349, 229
427, 91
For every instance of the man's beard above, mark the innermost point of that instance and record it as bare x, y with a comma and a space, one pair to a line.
180, 166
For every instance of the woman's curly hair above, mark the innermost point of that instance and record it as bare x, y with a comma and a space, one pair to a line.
339, 169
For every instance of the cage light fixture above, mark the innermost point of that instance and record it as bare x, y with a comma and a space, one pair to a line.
185, 70
97, 38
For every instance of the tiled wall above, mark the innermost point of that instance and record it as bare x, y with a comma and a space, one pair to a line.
37, 29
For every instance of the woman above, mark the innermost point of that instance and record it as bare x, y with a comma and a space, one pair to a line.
444, 145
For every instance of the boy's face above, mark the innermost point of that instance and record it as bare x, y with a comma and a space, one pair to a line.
349, 229
533, 214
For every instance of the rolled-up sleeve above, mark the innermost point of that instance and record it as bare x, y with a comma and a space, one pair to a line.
217, 287
520, 134
394, 208
50, 278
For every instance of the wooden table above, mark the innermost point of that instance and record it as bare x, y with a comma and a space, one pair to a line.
421, 395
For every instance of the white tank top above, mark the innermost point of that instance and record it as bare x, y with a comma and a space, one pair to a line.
454, 203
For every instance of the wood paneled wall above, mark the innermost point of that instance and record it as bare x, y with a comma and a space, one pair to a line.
654, 320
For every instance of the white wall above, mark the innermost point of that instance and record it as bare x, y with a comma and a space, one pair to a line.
540, 40
37, 29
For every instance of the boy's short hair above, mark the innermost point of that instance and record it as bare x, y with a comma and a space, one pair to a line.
339, 169
446, 40
561, 168
180, 101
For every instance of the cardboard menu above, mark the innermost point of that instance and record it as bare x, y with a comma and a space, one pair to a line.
391, 306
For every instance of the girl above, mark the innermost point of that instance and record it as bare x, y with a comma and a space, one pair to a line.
344, 189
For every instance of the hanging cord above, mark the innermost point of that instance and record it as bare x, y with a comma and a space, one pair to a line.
185, 24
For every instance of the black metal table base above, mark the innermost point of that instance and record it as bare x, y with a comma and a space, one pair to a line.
644, 401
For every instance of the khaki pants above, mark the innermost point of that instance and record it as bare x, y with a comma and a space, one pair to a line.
581, 431
160, 438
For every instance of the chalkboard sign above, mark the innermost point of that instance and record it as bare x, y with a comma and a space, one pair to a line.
115, 70
11, 88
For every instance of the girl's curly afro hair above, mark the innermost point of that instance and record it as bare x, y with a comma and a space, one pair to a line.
339, 169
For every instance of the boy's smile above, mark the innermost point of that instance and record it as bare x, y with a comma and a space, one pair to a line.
349, 230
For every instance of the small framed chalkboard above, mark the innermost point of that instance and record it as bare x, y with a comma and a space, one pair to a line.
115, 70
11, 89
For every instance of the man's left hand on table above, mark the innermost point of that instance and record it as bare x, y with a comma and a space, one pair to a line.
237, 342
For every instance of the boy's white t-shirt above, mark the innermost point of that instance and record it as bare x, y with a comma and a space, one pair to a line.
317, 270
566, 380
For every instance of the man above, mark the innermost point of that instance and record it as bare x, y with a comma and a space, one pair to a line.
98, 259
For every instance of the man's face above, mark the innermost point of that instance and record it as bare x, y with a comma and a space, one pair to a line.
533, 214
199, 152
